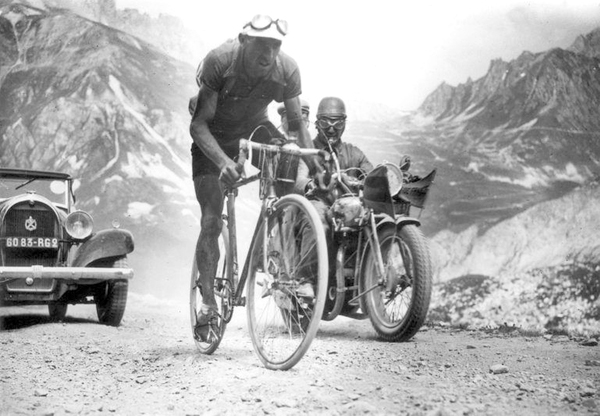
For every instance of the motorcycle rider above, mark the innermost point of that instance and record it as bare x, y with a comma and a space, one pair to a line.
331, 124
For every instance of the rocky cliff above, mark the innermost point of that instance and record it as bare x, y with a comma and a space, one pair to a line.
108, 108
518, 196
166, 32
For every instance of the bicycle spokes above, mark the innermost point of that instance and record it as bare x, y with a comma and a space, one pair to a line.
283, 315
395, 298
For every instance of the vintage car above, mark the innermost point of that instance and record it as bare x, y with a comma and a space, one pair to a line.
49, 252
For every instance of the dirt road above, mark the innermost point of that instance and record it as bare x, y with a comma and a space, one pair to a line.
149, 365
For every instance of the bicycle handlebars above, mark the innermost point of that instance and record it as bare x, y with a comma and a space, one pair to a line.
246, 147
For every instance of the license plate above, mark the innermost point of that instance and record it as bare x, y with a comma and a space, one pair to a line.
32, 242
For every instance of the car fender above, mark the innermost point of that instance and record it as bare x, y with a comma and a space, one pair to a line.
105, 243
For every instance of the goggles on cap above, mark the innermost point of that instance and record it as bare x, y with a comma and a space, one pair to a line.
263, 22
324, 123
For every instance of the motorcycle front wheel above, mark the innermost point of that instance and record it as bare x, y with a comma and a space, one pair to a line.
397, 302
287, 282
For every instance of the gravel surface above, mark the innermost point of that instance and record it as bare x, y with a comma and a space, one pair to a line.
149, 365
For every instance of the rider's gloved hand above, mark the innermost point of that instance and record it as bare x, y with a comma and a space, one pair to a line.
322, 180
310, 187
278, 141
351, 181
231, 173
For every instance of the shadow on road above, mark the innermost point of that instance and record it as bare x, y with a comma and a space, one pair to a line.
13, 322
346, 329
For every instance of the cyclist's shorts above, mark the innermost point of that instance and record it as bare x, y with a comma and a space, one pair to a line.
202, 165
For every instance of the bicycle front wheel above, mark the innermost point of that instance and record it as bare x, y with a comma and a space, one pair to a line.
287, 282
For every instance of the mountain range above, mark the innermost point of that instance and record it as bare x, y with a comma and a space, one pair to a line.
102, 94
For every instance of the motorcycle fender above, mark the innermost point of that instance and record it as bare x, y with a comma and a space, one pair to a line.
106, 243
398, 221
402, 221
385, 221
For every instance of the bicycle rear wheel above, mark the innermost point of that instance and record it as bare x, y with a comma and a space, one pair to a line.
283, 314
223, 294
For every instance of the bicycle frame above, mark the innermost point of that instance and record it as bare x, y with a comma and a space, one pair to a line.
268, 196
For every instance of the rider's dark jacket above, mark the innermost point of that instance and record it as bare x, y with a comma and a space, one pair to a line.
349, 156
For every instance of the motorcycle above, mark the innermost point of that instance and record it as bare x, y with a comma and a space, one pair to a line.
382, 268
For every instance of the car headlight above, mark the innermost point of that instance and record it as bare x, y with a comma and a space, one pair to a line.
79, 224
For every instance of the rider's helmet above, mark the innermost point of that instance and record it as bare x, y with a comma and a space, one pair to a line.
331, 119
331, 107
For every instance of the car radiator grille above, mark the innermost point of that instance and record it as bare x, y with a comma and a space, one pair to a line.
46, 225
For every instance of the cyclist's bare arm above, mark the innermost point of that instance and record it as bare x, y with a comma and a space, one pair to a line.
302, 178
205, 111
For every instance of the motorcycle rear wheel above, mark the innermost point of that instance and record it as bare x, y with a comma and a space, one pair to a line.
398, 307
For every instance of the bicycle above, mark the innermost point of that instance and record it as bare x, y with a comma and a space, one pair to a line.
288, 247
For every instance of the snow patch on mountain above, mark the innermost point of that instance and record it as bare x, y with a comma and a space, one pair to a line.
467, 114
529, 124
137, 210
113, 178
532, 176
75, 163
152, 134
146, 165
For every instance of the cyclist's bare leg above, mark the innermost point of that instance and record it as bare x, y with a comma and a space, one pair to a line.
210, 197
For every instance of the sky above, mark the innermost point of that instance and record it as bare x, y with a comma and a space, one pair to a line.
391, 52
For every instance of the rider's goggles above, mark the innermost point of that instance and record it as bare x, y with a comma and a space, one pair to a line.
263, 22
324, 123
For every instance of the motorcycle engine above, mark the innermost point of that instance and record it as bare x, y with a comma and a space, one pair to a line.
347, 211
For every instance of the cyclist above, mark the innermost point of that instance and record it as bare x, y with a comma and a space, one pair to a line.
330, 123
237, 81
283, 114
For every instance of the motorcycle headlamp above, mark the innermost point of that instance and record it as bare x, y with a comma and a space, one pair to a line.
395, 178
79, 225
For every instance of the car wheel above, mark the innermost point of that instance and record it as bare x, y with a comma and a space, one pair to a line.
111, 296
58, 311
